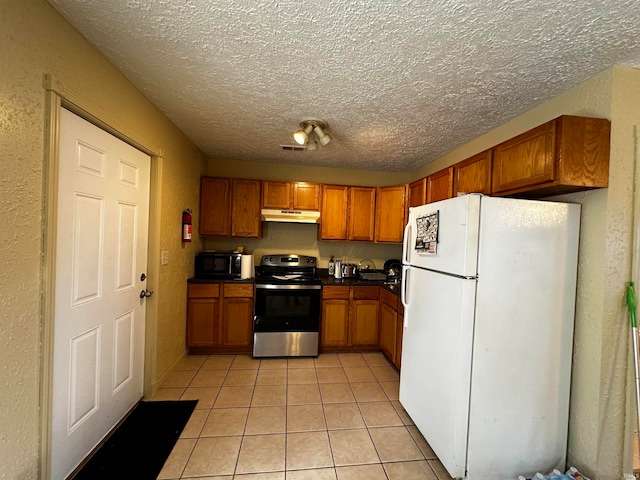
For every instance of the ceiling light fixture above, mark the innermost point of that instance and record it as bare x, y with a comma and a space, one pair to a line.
318, 127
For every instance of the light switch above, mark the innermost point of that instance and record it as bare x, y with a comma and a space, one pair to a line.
164, 257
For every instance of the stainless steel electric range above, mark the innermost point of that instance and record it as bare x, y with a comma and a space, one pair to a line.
286, 320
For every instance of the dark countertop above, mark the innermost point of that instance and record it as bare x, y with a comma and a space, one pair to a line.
355, 281
324, 278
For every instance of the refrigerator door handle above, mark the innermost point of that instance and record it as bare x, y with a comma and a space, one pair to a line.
407, 240
403, 290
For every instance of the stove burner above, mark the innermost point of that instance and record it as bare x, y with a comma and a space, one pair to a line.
287, 269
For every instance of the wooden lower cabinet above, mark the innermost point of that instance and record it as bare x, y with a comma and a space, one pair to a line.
399, 333
349, 318
237, 327
335, 322
363, 319
389, 327
388, 330
334, 329
203, 313
219, 318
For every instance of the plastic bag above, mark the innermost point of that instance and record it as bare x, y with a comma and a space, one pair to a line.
557, 475
574, 474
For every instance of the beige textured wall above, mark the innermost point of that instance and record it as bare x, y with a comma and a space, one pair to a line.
35, 40
600, 377
302, 239
279, 171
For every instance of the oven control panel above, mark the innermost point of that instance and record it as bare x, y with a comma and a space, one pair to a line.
287, 260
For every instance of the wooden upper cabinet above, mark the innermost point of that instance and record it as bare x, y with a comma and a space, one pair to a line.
525, 160
417, 193
306, 196
333, 214
362, 204
440, 185
215, 195
473, 175
294, 195
390, 214
564, 155
276, 195
245, 208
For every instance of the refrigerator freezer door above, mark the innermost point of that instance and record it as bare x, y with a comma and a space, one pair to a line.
457, 232
436, 361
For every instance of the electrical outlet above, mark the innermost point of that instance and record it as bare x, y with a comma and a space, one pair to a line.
164, 257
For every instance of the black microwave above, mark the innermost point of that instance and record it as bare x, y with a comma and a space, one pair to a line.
218, 265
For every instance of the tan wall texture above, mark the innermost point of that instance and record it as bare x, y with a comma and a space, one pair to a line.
35, 40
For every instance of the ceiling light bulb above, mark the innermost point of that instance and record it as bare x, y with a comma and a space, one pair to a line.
311, 144
302, 136
323, 138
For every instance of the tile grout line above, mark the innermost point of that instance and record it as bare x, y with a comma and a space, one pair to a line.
287, 369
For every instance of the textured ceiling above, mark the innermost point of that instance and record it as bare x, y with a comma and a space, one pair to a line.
400, 82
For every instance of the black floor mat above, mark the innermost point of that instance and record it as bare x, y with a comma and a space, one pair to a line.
138, 448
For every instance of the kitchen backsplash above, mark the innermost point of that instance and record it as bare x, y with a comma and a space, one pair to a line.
302, 239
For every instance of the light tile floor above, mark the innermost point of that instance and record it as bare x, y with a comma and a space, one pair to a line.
334, 417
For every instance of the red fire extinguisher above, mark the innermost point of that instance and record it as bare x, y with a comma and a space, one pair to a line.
186, 225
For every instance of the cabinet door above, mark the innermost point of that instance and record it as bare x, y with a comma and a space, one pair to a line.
362, 201
473, 175
276, 195
400, 330
417, 193
390, 211
440, 185
214, 206
306, 196
333, 218
202, 322
363, 325
388, 331
335, 322
237, 321
245, 208
525, 160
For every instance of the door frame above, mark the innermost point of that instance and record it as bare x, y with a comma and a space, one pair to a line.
57, 96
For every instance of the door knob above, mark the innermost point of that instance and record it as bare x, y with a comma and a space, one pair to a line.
145, 293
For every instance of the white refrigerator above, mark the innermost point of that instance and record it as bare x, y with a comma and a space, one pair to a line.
489, 289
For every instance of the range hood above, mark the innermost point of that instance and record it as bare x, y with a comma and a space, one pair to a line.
292, 216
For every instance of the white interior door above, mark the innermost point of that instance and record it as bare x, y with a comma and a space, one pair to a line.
102, 229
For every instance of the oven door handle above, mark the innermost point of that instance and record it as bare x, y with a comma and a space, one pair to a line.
287, 287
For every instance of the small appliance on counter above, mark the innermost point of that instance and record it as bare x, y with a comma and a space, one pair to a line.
349, 270
218, 265
393, 270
